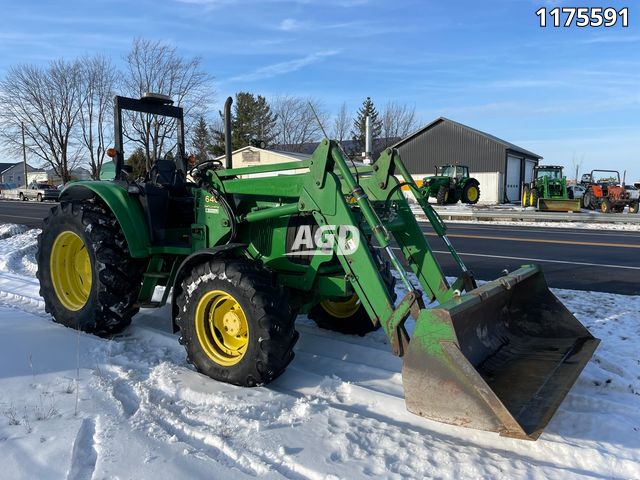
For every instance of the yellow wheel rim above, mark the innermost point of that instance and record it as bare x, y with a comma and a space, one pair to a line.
222, 328
472, 194
531, 200
524, 199
341, 309
70, 270
603, 207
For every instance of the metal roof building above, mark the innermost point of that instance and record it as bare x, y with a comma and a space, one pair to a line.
500, 166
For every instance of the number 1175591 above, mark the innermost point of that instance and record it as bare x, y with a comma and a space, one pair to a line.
583, 17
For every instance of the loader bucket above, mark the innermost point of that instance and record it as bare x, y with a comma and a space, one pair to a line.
499, 358
558, 205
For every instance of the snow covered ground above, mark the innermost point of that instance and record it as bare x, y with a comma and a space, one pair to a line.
78, 407
467, 210
620, 227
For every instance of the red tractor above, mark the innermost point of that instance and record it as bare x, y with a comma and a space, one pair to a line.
605, 192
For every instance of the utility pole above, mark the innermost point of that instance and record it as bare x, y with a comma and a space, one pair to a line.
24, 158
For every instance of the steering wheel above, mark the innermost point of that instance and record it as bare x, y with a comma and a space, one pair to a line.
205, 165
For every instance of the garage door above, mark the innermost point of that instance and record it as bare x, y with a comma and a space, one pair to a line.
528, 170
513, 178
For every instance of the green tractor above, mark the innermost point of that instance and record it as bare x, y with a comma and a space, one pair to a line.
237, 258
548, 191
451, 184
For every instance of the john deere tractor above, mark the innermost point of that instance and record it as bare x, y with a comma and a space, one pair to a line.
548, 191
451, 184
238, 256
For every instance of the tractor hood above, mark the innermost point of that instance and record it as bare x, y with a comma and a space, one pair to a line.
436, 179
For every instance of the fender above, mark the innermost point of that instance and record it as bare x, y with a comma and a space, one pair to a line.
125, 208
187, 265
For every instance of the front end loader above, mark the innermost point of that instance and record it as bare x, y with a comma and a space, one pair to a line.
547, 191
242, 255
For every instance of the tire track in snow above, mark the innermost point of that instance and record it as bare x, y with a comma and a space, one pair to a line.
18, 285
84, 455
21, 292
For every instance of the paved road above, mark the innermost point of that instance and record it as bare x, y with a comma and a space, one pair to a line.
28, 213
601, 260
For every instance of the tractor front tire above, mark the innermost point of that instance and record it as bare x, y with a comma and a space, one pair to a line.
87, 279
533, 198
442, 196
236, 323
471, 193
525, 197
633, 207
605, 206
349, 316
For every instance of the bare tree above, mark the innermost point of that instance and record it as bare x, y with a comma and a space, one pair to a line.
97, 80
154, 66
47, 102
398, 121
296, 122
341, 124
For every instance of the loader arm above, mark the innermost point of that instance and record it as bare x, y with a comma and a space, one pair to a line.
323, 195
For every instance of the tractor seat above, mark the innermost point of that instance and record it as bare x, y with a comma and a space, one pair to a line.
164, 173
166, 199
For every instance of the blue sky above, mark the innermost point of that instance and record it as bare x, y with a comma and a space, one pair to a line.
563, 93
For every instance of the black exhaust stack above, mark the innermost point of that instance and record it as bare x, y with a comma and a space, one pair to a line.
227, 131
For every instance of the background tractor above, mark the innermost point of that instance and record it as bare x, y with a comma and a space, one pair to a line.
452, 184
243, 256
606, 193
548, 191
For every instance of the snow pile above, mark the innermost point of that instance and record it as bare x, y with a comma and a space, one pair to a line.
622, 227
76, 406
468, 210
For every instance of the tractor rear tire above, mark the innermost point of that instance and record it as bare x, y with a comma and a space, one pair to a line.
525, 197
236, 323
588, 200
87, 279
443, 196
633, 207
471, 193
337, 317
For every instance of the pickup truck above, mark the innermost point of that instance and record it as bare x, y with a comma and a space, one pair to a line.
39, 192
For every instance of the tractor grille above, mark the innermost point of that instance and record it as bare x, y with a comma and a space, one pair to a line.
262, 236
